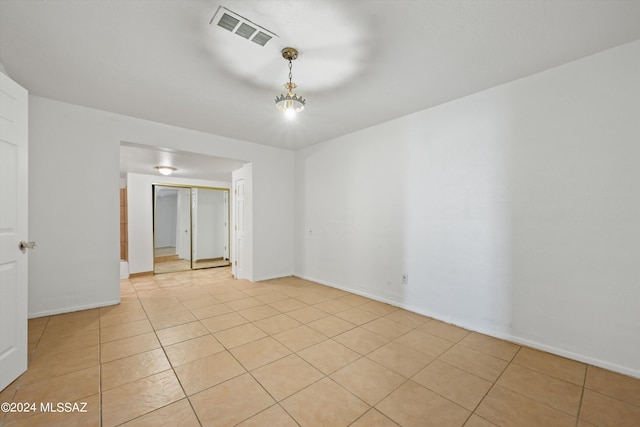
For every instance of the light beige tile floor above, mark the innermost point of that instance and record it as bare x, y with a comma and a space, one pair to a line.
200, 348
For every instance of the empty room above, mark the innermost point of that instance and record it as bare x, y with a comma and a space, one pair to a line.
361, 213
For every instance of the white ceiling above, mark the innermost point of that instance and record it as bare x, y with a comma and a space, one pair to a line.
361, 62
142, 159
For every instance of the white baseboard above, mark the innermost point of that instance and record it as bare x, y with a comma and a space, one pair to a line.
277, 276
72, 309
496, 334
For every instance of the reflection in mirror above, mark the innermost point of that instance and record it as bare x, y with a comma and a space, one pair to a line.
210, 236
190, 228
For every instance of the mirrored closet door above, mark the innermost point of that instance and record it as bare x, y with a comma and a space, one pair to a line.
190, 227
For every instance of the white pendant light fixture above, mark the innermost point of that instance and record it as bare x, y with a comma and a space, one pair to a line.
290, 104
166, 170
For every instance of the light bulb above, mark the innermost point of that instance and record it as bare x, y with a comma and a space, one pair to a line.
290, 113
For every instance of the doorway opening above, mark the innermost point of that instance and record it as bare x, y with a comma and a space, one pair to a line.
190, 227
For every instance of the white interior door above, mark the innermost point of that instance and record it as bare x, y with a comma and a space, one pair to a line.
183, 237
225, 214
13, 229
239, 224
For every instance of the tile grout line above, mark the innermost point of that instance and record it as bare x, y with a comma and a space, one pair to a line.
576, 416
434, 359
324, 375
361, 356
155, 331
584, 386
20, 379
493, 385
228, 350
164, 351
364, 356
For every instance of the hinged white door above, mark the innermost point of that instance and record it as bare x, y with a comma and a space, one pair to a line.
13, 230
238, 256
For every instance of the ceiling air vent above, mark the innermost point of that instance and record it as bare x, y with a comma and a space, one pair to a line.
261, 38
228, 22
241, 26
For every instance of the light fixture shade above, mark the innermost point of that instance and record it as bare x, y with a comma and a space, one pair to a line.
290, 101
166, 170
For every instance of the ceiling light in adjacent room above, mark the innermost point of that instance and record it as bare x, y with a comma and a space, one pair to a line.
166, 170
290, 103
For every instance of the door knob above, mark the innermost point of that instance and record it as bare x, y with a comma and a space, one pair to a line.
27, 245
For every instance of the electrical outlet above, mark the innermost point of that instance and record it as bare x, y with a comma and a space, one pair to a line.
405, 279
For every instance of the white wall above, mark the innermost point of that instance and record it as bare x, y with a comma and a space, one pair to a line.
514, 211
74, 200
74, 211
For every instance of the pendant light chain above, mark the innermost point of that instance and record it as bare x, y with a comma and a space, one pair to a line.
290, 75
